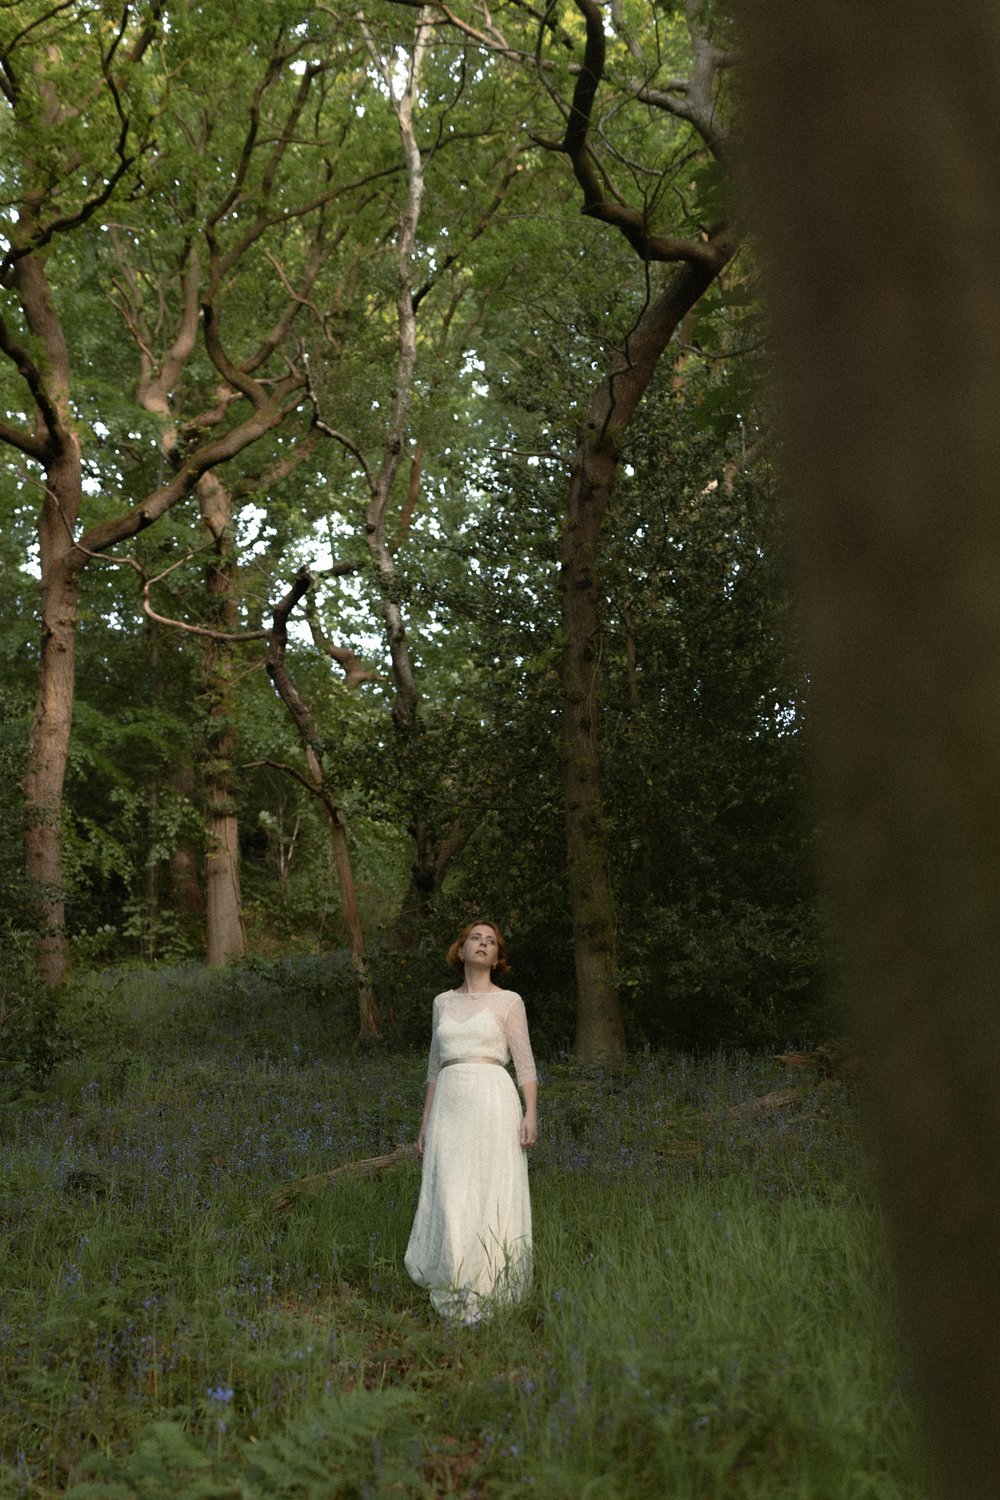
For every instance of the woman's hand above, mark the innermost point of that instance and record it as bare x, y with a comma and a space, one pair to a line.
529, 1122
421, 1141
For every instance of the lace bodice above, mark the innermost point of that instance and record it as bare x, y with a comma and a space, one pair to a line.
489, 1024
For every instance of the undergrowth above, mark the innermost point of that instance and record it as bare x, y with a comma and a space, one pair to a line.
709, 1317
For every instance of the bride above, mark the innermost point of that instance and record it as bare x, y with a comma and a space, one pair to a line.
470, 1245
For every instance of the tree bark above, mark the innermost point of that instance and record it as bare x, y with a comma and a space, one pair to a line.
51, 723
57, 446
600, 1031
880, 206
186, 895
226, 935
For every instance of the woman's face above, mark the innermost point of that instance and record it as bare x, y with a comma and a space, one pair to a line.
480, 946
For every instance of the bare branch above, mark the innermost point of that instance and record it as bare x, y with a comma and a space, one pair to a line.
204, 631
252, 484
277, 670
326, 429
483, 223
323, 248
25, 442
13, 42
282, 765
148, 32
204, 456
272, 73
232, 374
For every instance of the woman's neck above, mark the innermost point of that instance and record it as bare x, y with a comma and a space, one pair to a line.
476, 982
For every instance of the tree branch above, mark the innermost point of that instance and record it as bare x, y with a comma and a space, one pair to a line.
596, 202
204, 457
43, 235
354, 669
282, 765
328, 431
232, 374
483, 223
205, 631
29, 443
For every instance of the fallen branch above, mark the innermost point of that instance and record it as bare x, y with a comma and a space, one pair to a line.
286, 1200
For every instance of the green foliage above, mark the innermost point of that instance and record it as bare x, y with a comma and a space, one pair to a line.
337, 1449
520, 301
32, 1038
703, 747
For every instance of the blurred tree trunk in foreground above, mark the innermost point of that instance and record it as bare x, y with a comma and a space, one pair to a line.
879, 201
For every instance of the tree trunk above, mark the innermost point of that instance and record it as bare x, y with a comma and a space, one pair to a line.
369, 1020
52, 720
186, 895
226, 936
431, 858
880, 205
600, 1031
599, 1028
57, 446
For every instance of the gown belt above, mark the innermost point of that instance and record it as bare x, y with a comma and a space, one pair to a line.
449, 1060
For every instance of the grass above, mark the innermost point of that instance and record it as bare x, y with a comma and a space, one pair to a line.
709, 1316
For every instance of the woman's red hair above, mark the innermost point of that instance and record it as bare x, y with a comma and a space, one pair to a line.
501, 967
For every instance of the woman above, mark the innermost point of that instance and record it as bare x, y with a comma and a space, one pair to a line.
471, 1238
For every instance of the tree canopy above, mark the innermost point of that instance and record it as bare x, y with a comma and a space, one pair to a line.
442, 314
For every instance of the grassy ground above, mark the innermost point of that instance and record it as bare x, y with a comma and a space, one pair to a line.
709, 1316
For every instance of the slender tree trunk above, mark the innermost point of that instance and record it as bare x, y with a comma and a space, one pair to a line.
405, 714
186, 893
599, 1029
226, 936
58, 447
880, 205
369, 1020
53, 716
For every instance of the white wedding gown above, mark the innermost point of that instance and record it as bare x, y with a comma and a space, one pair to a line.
471, 1239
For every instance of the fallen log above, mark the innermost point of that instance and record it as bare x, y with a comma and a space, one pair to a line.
286, 1199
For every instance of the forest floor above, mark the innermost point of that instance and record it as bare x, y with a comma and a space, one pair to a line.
709, 1317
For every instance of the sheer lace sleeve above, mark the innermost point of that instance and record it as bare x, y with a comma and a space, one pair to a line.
434, 1061
515, 1024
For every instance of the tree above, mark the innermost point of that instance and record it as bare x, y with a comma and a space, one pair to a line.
692, 138
431, 281
318, 783
878, 198
65, 79
214, 192
702, 256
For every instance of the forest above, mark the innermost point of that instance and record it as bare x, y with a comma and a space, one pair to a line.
390, 530
529, 465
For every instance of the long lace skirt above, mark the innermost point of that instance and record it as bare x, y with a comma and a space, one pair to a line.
471, 1239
